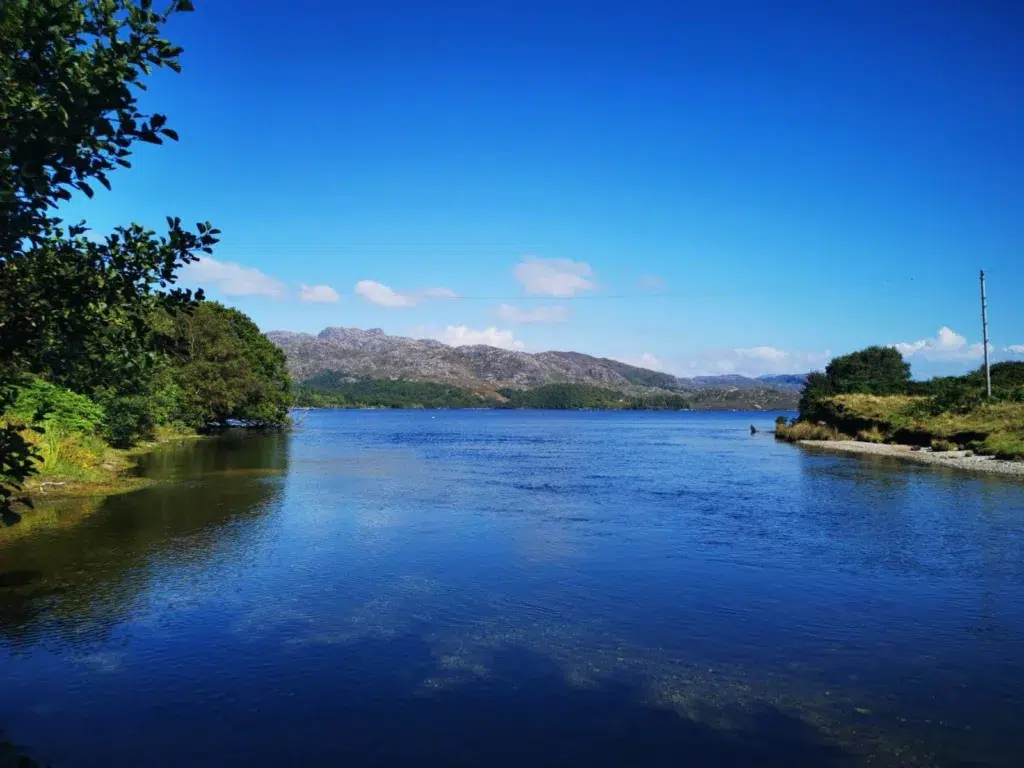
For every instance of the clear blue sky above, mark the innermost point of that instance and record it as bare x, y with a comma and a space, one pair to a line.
705, 186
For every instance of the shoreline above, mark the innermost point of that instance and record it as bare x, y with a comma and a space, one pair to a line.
118, 468
958, 460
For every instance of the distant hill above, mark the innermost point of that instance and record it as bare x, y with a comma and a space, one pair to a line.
789, 382
373, 354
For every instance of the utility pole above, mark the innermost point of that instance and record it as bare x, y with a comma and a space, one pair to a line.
984, 336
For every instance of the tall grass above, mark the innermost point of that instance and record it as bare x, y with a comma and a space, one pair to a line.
805, 430
71, 455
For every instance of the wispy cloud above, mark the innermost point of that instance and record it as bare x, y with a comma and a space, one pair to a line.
231, 279
437, 293
651, 283
749, 361
553, 314
318, 294
554, 277
644, 360
946, 345
384, 296
462, 335
1015, 349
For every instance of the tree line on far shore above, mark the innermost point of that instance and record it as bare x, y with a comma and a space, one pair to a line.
332, 389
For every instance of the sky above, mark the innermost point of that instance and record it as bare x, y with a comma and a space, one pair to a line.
729, 187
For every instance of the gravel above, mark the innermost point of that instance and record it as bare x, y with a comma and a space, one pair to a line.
952, 459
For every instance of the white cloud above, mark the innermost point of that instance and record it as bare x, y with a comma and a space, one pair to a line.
384, 296
768, 354
231, 279
1016, 349
461, 336
554, 277
750, 361
553, 314
651, 283
380, 294
646, 360
318, 294
946, 345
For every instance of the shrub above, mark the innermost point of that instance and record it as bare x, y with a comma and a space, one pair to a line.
942, 446
875, 370
130, 418
57, 409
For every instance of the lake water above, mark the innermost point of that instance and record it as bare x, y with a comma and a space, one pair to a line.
518, 588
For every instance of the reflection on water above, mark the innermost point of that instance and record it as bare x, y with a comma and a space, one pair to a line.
83, 565
514, 588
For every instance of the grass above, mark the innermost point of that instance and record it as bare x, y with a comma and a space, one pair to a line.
76, 464
944, 446
872, 435
805, 430
1003, 446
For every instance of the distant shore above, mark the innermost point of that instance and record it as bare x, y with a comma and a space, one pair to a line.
960, 460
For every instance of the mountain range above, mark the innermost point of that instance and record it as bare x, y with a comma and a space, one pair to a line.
375, 354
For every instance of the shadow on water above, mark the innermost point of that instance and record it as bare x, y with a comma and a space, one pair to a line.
75, 568
388, 701
12, 757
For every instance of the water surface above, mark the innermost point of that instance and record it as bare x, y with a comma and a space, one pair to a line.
519, 588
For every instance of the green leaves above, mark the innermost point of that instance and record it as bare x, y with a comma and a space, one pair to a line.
227, 370
66, 108
76, 310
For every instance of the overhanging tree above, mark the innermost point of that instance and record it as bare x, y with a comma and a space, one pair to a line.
74, 307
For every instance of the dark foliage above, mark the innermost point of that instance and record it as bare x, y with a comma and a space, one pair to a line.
875, 370
584, 396
332, 389
223, 370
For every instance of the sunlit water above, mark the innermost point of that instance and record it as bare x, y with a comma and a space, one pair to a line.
519, 588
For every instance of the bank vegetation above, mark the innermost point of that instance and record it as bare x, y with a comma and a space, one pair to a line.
869, 396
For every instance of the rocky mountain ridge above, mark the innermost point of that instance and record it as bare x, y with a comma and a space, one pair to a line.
375, 354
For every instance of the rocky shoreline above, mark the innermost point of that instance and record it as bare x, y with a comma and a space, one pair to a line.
960, 460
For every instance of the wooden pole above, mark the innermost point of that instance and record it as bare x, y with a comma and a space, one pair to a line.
984, 336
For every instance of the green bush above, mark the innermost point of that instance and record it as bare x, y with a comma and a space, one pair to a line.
57, 409
875, 370
130, 418
942, 446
